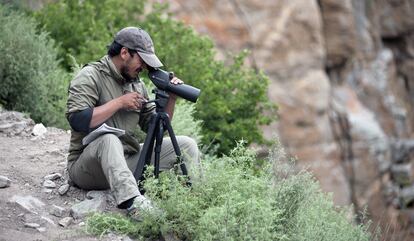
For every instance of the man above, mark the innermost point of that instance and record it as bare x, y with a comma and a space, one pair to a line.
110, 91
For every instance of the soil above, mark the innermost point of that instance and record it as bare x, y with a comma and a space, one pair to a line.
26, 159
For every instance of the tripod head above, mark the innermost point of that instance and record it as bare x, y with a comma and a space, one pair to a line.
161, 99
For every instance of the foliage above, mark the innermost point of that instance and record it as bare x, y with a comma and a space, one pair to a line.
233, 97
84, 28
31, 79
231, 200
184, 123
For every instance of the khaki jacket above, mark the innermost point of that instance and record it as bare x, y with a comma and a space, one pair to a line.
96, 84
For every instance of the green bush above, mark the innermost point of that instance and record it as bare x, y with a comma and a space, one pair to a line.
84, 28
184, 123
30, 77
233, 201
233, 98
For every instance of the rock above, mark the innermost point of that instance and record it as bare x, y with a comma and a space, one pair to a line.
41, 220
47, 190
39, 130
395, 17
402, 150
81, 209
41, 229
407, 196
32, 225
4, 182
62, 164
48, 220
401, 173
339, 30
29, 203
32, 218
49, 184
126, 238
63, 189
57, 211
65, 222
53, 176
96, 194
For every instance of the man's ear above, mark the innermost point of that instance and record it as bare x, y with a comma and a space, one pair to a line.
124, 53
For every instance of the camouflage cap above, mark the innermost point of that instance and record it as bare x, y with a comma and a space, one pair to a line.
139, 40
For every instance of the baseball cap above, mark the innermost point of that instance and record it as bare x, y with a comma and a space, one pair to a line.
137, 39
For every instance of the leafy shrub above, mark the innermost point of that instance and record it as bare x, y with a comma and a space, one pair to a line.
232, 201
31, 79
184, 123
84, 28
233, 97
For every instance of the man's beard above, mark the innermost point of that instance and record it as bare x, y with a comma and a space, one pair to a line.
124, 72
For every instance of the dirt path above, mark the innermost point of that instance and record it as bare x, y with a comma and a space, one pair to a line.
26, 159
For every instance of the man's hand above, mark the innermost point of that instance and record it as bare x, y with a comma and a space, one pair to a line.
132, 101
175, 81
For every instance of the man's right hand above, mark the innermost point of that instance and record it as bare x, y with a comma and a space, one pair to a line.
128, 101
132, 101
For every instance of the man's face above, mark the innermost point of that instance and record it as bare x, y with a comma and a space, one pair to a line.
132, 66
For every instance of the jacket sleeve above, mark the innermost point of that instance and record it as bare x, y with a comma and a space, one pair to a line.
83, 96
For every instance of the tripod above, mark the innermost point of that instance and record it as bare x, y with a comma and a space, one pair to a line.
159, 122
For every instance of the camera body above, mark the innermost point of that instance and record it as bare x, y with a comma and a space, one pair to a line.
161, 80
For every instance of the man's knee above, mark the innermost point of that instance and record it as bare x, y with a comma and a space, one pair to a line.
109, 140
187, 142
188, 146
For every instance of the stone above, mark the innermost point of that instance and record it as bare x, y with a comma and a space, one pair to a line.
47, 190
85, 207
41, 229
53, 176
402, 173
39, 130
32, 225
126, 238
395, 17
339, 30
29, 203
57, 211
32, 218
4, 182
95, 194
49, 184
41, 220
65, 222
407, 196
402, 150
48, 221
63, 189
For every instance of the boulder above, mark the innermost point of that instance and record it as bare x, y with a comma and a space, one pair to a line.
28, 203
4, 182
39, 130
85, 207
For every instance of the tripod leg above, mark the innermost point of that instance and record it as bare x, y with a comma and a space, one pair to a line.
166, 121
145, 156
157, 149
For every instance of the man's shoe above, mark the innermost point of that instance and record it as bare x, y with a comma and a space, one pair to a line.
141, 204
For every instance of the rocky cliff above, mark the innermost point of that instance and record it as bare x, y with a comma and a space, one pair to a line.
342, 73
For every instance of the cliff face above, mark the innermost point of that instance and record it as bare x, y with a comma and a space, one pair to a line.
342, 73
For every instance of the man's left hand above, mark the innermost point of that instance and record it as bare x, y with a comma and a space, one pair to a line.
175, 81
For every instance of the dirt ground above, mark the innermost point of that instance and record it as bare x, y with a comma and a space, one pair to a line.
26, 159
